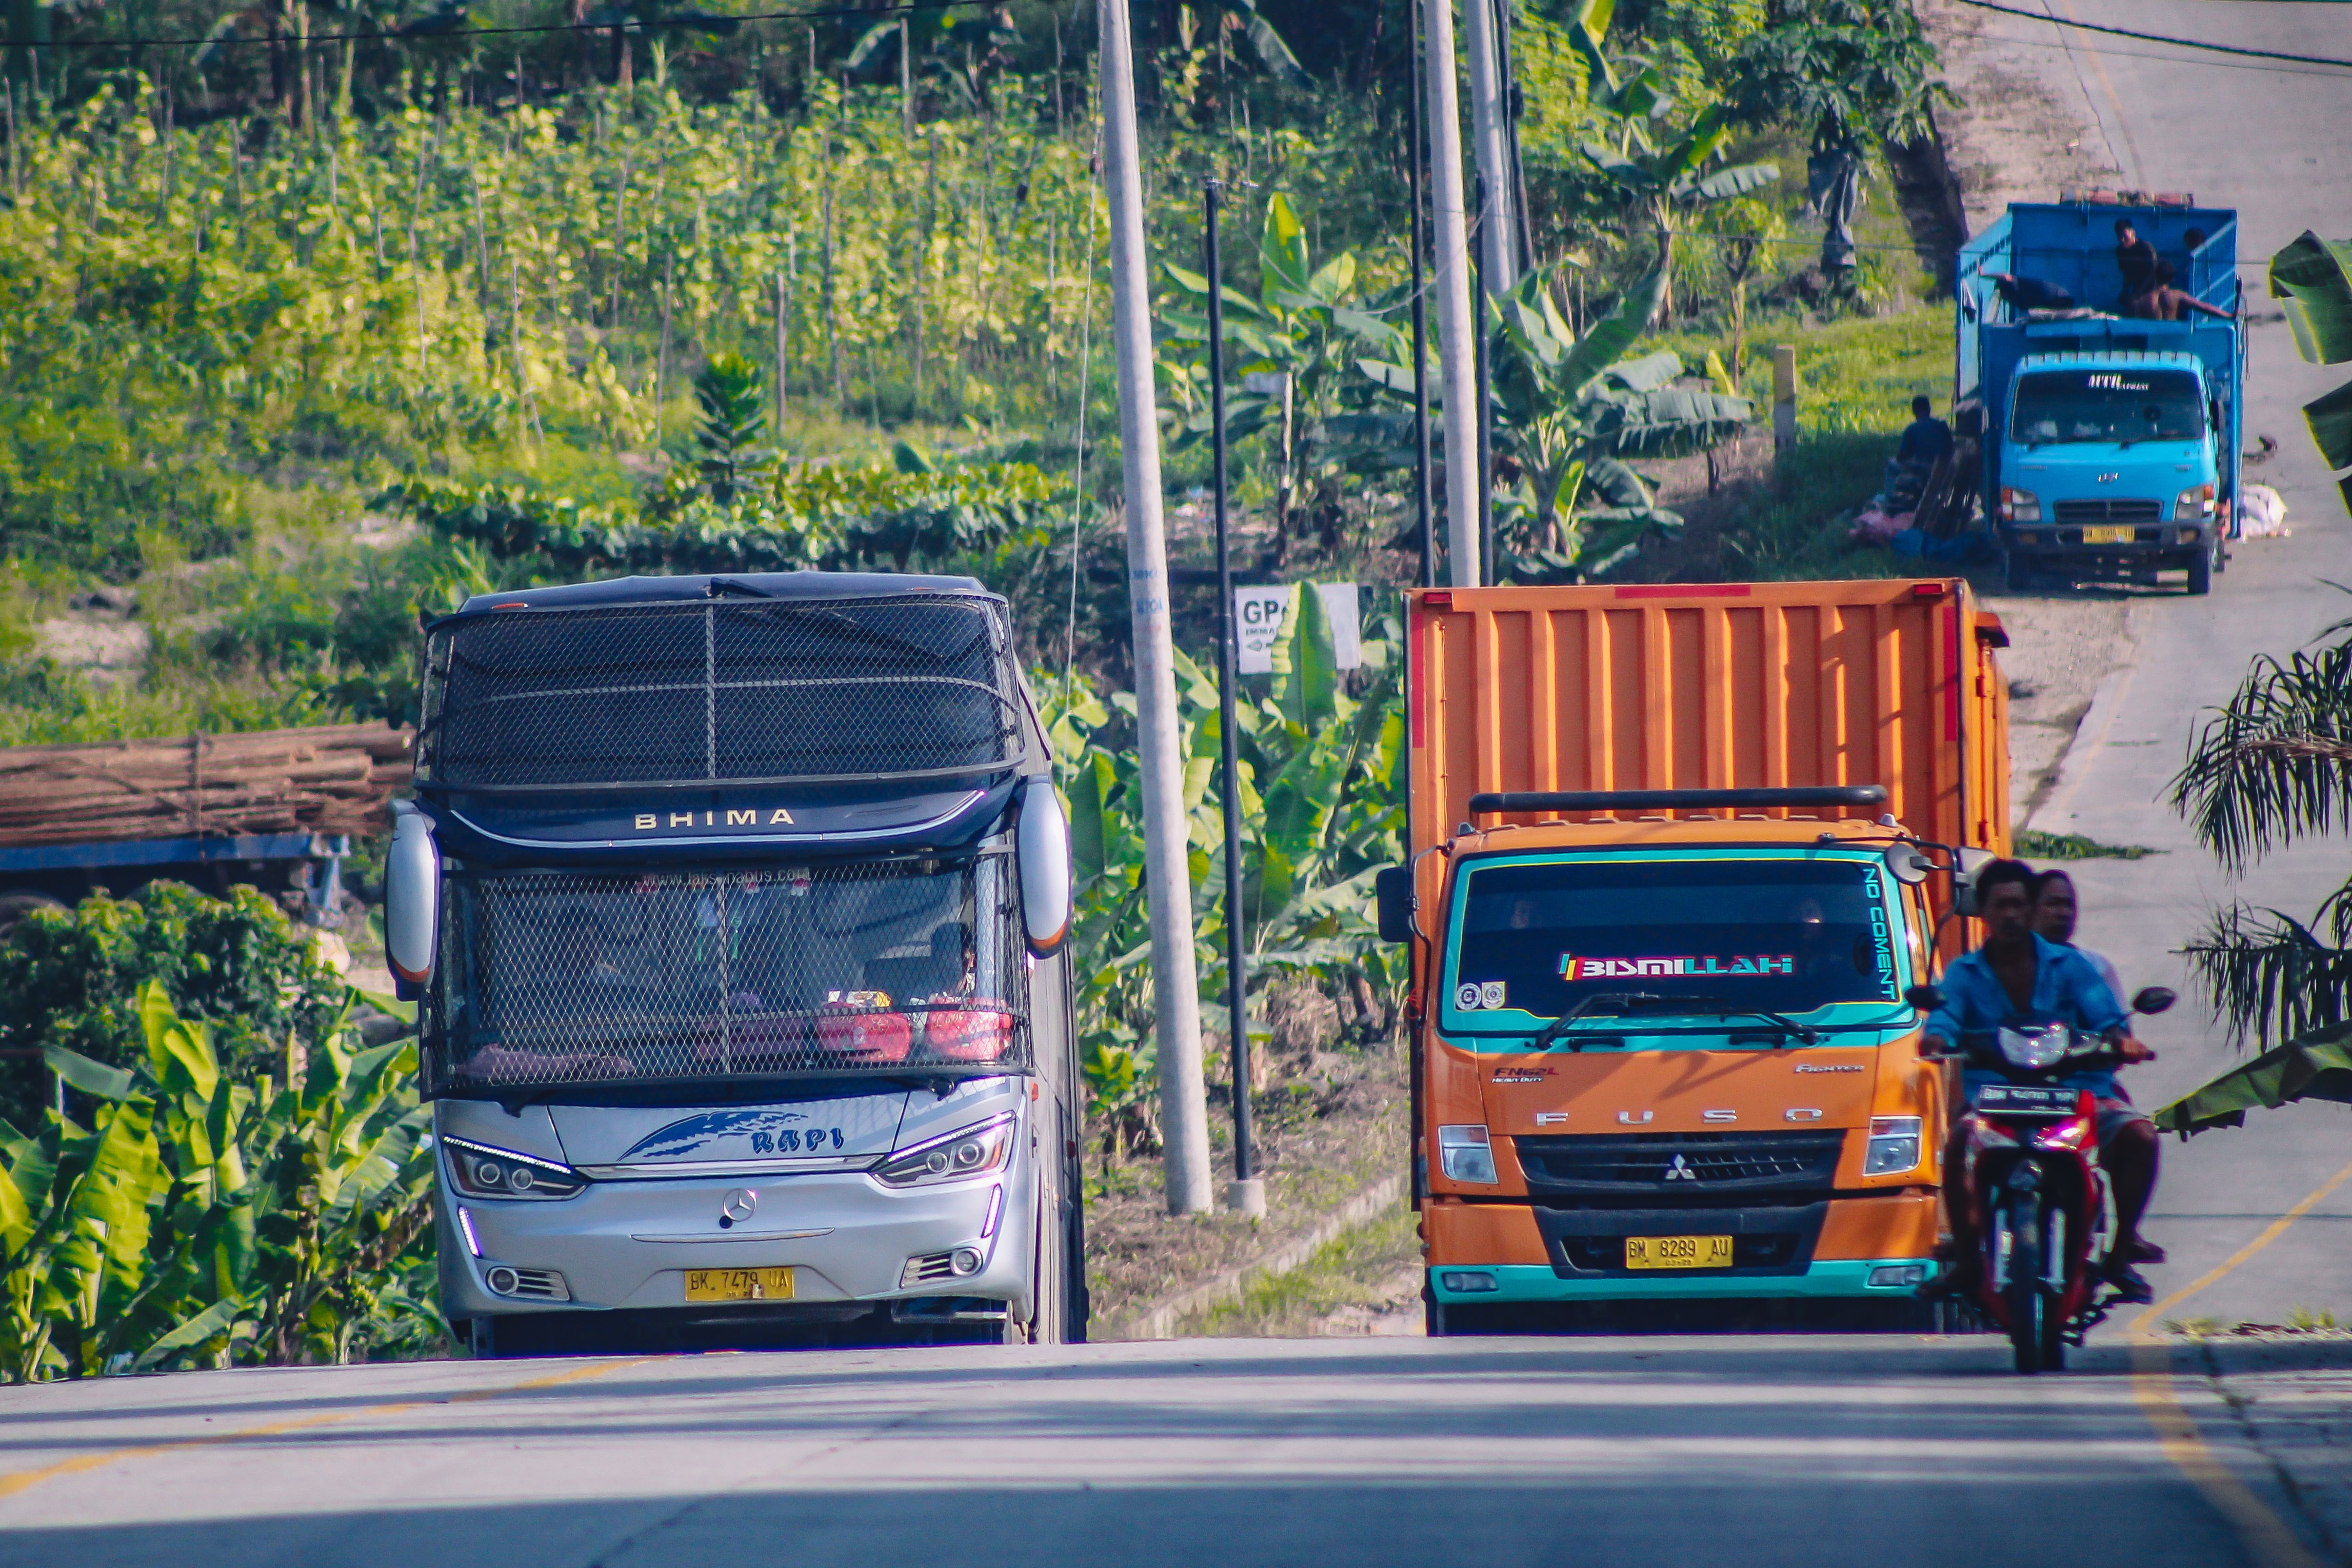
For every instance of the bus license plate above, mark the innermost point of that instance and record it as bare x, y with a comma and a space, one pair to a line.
2109, 536
739, 1284
1678, 1251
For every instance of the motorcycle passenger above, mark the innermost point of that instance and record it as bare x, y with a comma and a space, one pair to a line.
2128, 1141
2016, 979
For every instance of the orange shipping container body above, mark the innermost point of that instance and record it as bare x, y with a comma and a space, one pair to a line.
1713, 686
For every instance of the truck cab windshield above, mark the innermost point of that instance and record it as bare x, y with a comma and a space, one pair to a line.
2056, 406
1756, 934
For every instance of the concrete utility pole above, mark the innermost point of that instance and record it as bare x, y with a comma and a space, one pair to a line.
1166, 877
1451, 279
1497, 235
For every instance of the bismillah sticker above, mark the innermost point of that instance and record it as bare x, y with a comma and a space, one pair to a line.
1572, 968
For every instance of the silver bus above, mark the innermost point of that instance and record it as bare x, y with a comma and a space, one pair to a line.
734, 907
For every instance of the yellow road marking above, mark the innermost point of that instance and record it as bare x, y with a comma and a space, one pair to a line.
2268, 1538
24, 1481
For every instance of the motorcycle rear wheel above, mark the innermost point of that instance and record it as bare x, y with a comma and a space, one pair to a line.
2028, 1331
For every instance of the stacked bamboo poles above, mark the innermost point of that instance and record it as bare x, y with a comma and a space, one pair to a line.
329, 779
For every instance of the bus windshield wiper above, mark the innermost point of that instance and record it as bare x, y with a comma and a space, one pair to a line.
1560, 1025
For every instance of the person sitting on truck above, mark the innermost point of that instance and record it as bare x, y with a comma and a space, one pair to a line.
2016, 978
2162, 302
2128, 1142
2134, 259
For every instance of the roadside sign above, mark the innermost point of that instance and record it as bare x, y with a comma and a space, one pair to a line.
1258, 614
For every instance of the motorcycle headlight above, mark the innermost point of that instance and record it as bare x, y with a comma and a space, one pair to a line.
967, 1151
1894, 1146
485, 1170
2034, 1047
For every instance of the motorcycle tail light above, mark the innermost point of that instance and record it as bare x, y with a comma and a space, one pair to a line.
2067, 1134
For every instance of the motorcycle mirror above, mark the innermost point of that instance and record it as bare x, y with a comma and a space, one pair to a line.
1909, 865
2153, 999
1927, 998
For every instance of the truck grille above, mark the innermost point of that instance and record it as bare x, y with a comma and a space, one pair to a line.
2109, 511
1653, 1165
1765, 1238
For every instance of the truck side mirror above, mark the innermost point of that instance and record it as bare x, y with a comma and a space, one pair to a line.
412, 900
1964, 878
1042, 845
1392, 889
1909, 865
2152, 999
1927, 998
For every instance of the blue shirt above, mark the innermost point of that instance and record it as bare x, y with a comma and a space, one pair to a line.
2066, 989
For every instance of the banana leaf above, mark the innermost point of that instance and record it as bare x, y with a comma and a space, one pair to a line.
2330, 418
2315, 1066
2314, 276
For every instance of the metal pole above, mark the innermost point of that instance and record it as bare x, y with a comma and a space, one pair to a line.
1419, 331
1522, 230
1168, 884
1496, 249
1246, 1195
1452, 283
1488, 572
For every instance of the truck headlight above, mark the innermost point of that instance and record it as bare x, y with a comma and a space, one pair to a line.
2193, 504
1467, 1154
1894, 1146
2019, 506
485, 1170
967, 1151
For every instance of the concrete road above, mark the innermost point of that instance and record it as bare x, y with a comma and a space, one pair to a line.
2268, 141
1751, 1452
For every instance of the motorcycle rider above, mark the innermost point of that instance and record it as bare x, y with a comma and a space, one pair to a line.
2017, 978
2128, 1141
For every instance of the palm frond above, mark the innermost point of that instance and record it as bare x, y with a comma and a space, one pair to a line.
2268, 977
2275, 763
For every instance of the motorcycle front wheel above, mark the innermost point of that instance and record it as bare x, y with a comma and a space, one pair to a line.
2029, 1309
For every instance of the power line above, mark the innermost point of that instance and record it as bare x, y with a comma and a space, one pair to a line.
2325, 74
2159, 37
424, 32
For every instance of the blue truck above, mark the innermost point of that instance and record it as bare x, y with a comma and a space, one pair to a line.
2108, 444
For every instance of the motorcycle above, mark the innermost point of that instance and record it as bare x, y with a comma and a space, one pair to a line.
2036, 1193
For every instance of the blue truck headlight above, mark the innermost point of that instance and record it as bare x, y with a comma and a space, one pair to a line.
2019, 506
2193, 504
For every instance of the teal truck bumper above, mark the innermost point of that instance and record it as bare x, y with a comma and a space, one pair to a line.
1849, 1279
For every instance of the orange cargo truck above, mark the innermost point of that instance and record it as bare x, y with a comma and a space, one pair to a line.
1677, 852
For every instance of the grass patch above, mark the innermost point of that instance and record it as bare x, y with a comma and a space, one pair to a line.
2033, 845
1351, 1270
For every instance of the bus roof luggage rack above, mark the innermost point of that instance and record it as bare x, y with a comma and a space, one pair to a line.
1680, 799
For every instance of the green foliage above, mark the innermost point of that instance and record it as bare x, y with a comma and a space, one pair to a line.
733, 418
1853, 73
1320, 786
204, 1215
72, 978
2033, 845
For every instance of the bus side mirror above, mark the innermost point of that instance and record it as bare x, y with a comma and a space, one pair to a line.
1964, 878
1927, 998
1042, 844
1393, 890
2152, 999
412, 900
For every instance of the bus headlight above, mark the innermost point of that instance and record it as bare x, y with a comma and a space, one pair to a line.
967, 1151
485, 1170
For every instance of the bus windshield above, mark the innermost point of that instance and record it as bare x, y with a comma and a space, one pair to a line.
1783, 935
2056, 406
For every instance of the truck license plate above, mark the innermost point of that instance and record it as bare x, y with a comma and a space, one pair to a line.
2122, 536
1678, 1251
739, 1284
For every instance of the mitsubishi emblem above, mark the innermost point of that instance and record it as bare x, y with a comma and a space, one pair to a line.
1680, 1170
736, 1206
